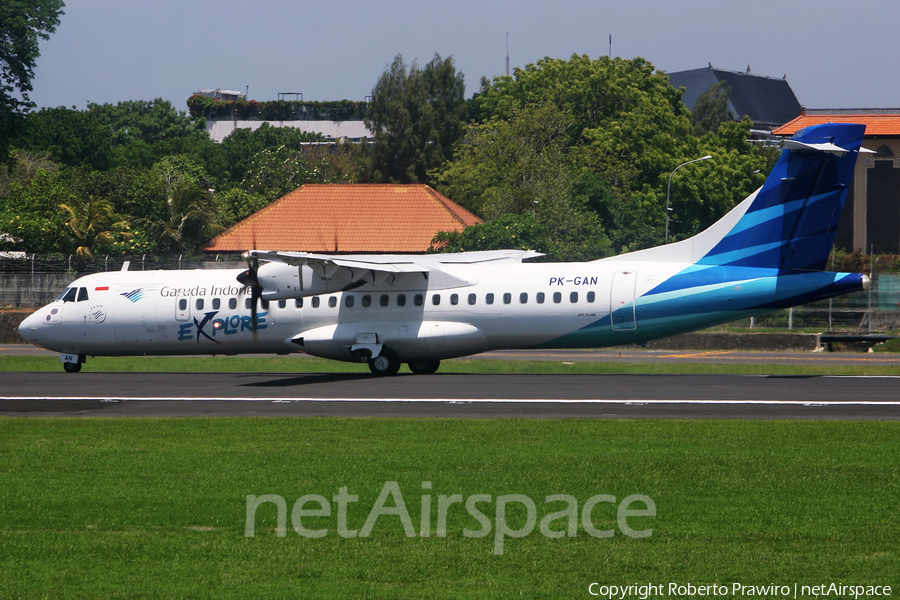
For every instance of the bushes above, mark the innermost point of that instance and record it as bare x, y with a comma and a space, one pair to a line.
276, 110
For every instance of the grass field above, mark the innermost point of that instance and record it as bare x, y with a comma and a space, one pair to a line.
156, 508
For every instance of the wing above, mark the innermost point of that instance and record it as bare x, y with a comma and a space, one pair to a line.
298, 274
376, 269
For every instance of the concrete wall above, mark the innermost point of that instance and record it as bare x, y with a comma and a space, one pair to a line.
219, 129
9, 326
27, 290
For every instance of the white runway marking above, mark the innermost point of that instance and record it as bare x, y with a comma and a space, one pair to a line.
632, 402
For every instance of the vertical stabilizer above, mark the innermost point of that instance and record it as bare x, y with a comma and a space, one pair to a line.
791, 221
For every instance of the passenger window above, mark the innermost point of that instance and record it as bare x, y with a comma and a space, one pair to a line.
298, 303
315, 302
418, 300
384, 300
557, 297
349, 301
573, 297
401, 300
248, 303
70, 295
523, 298
232, 303
436, 299
591, 296
472, 299
82, 294
281, 303
182, 304
540, 297
454, 299
199, 303
489, 298
216, 303
507, 298
332, 301
264, 304
367, 301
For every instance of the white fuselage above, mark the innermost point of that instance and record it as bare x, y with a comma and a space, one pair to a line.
509, 305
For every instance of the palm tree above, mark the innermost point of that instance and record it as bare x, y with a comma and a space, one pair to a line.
93, 222
190, 218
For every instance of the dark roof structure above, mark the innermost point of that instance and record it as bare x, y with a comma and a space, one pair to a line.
768, 101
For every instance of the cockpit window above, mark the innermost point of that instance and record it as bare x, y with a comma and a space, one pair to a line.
69, 295
82, 294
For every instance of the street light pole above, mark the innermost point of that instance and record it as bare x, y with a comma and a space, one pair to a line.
669, 189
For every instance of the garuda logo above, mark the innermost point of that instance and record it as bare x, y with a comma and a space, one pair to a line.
134, 295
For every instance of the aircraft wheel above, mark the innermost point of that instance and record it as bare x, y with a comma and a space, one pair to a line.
424, 367
386, 363
72, 367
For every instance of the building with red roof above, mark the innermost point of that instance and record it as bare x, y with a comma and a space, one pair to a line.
347, 218
871, 218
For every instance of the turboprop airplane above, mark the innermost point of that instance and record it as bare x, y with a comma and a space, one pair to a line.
768, 253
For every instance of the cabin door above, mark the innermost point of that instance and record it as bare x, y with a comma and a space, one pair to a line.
621, 301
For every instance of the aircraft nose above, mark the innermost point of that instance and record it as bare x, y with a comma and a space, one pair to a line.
28, 327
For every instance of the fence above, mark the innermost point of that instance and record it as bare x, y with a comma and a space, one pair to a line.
33, 281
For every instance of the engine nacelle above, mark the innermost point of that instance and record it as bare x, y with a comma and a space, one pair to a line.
280, 281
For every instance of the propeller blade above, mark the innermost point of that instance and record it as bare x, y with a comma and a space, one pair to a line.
250, 278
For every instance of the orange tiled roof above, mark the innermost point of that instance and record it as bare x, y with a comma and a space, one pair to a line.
347, 218
886, 124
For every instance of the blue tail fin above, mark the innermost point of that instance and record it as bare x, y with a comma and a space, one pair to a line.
790, 224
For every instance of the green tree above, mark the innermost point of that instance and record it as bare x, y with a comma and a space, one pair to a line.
416, 116
29, 216
25, 166
132, 190
93, 223
711, 109
513, 231
703, 192
596, 137
623, 123
239, 149
522, 167
238, 204
71, 137
189, 216
22, 24
142, 132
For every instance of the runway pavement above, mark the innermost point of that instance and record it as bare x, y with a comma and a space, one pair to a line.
450, 395
628, 355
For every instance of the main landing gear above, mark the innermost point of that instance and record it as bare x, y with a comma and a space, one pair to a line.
72, 367
424, 367
388, 363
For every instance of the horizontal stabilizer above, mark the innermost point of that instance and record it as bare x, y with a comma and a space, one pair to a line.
827, 147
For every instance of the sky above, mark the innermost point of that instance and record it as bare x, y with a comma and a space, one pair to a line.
834, 53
